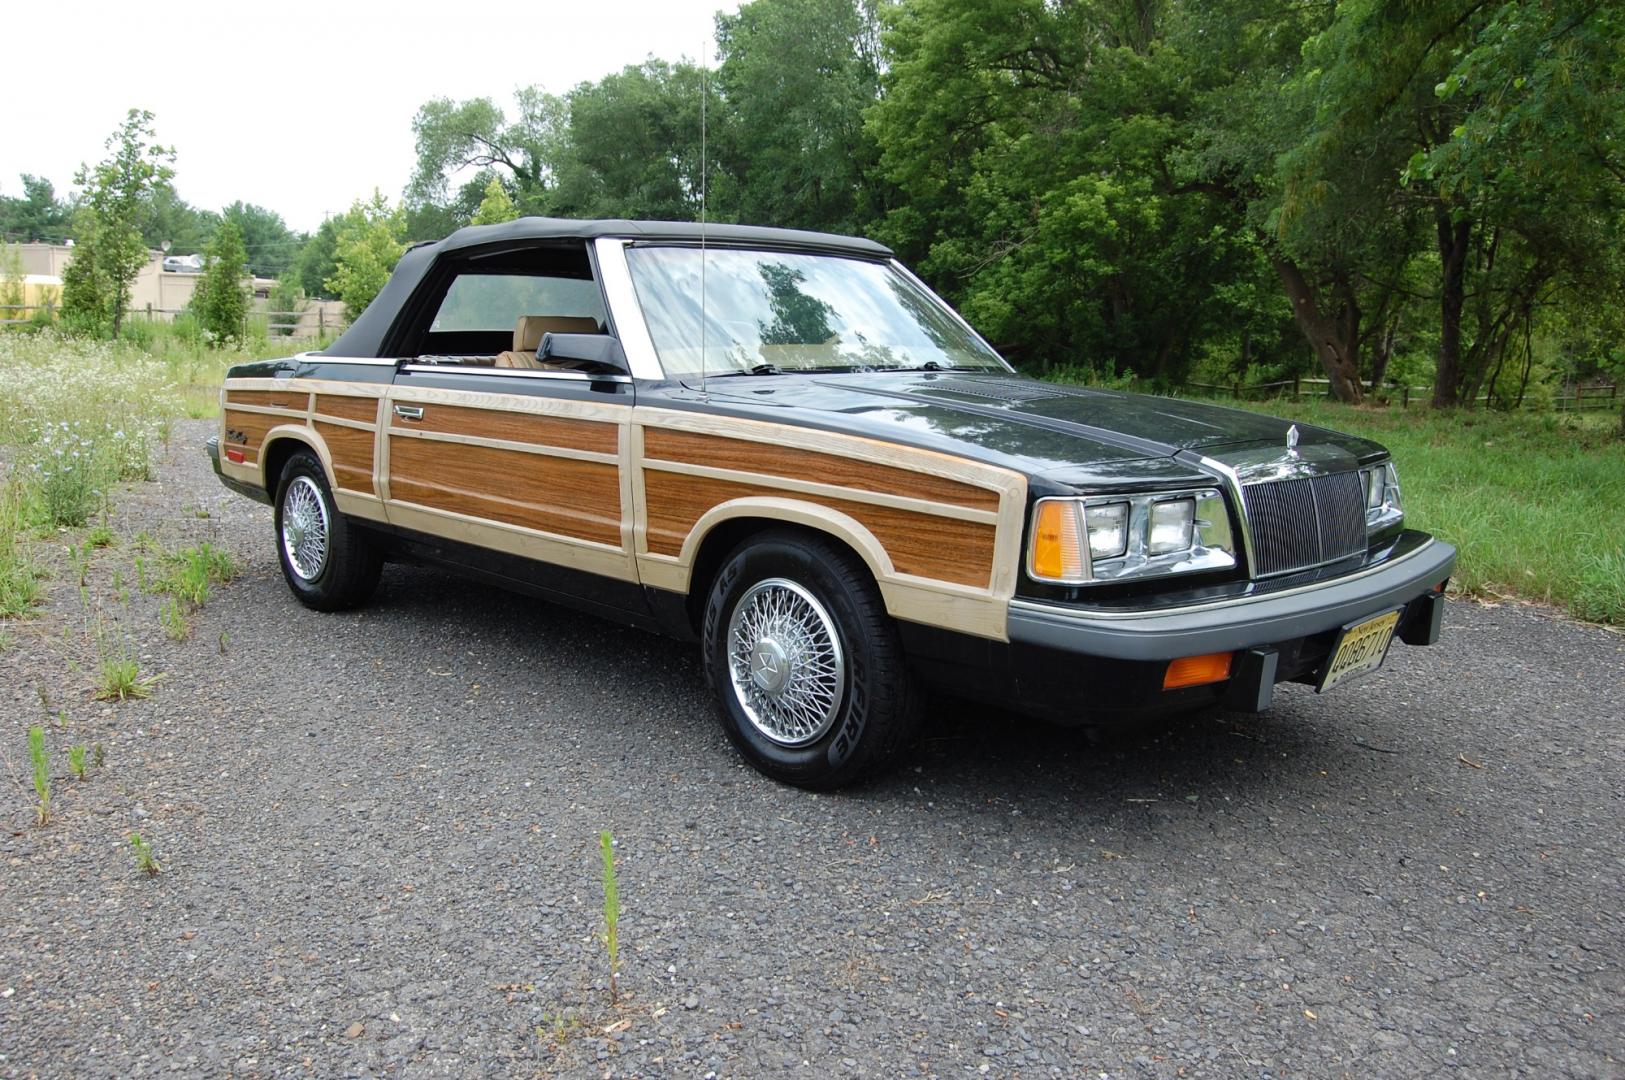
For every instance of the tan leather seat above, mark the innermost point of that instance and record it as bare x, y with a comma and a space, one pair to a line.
527, 338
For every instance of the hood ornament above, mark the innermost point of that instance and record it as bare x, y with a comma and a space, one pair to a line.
1292, 440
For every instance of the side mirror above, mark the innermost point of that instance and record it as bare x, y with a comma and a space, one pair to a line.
595, 354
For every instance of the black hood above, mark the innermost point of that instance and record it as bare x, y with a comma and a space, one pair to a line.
1069, 434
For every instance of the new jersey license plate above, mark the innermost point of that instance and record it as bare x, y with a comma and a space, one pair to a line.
1360, 650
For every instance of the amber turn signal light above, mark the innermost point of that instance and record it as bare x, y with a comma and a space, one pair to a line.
1197, 670
1057, 545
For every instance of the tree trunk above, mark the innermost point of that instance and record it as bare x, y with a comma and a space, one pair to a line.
1382, 353
1453, 238
1335, 341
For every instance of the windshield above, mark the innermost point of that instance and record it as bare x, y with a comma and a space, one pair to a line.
769, 311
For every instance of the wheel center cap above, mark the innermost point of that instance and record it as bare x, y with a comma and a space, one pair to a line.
769, 666
296, 533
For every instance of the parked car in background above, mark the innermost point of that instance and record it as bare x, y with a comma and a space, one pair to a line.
183, 264
783, 446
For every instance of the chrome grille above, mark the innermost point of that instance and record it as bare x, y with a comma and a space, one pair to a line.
1301, 523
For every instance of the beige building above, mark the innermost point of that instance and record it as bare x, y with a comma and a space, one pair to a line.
161, 294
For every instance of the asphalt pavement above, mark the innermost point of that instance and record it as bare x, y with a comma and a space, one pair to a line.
379, 834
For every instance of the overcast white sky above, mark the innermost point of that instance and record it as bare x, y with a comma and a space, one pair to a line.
302, 108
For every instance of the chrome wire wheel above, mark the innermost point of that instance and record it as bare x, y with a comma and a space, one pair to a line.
785, 662
305, 528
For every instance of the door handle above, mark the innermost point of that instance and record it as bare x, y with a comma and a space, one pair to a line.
409, 412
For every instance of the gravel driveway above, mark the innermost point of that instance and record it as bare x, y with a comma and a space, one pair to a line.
379, 837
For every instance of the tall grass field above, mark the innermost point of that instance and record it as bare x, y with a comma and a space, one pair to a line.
79, 418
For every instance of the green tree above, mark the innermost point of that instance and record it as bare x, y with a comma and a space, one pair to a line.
168, 218
1505, 118
1033, 146
37, 215
221, 299
13, 282
632, 145
316, 262
452, 136
496, 206
796, 76
86, 290
271, 246
365, 252
287, 304
117, 194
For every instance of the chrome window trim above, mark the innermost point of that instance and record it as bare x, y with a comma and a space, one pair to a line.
949, 308
621, 296
513, 373
325, 358
1095, 614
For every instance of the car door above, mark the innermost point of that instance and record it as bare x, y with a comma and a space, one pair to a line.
516, 470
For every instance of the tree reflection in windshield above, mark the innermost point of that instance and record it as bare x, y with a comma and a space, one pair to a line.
798, 319
793, 311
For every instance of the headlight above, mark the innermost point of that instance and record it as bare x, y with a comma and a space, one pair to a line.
1115, 537
1108, 529
1383, 509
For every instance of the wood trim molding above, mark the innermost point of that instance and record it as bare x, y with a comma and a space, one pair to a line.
559, 550
819, 489
516, 403
401, 431
575, 499
941, 534
348, 408
723, 454
855, 447
312, 386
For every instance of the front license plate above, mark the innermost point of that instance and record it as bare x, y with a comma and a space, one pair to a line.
1360, 650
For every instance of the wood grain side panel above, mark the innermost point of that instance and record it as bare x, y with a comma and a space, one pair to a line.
595, 435
746, 456
247, 430
351, 451
921, 544
364, 409
269, 399
580, 499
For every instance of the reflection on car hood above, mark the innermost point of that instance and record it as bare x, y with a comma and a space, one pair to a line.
1070, 433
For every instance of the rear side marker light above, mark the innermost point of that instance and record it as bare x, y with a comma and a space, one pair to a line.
1197, 670
235, 456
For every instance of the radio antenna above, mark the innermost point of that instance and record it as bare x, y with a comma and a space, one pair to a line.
704, 62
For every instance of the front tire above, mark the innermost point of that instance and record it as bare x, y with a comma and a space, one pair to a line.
807, 666
328, 563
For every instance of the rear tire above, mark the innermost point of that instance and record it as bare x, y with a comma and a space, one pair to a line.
807, 667
329, 564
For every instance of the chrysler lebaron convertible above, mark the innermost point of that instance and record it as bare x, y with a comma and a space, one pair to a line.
783, 446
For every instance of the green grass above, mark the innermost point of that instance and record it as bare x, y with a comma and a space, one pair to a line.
190, 571
19, 571
195, 370
1535, 502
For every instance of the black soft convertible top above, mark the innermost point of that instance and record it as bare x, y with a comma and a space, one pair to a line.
366, 335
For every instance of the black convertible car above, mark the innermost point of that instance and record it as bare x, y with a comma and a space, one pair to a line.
783, 445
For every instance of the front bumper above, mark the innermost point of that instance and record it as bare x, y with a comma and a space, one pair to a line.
1084, 664
1228, 625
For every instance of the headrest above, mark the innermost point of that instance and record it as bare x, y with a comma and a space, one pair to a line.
527, 333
